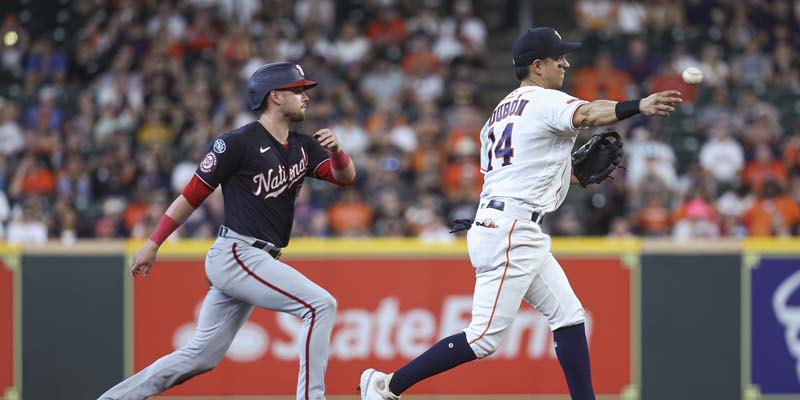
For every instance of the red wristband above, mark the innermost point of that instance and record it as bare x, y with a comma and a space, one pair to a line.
166, 226
340, 160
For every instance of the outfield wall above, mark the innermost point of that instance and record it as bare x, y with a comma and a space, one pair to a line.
666, 321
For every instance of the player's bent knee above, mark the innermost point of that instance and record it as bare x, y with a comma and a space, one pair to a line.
205, 354
569, 318
192, 374
483, 345
323, 306
484, 348
209, 358
332, 303
327, 303
204, 366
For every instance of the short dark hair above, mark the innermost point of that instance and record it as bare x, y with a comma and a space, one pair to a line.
522, 72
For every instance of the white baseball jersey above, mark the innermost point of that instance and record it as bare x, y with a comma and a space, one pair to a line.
526, 146
525, 156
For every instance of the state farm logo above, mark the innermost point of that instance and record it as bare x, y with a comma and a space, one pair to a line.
387, 333
789, 315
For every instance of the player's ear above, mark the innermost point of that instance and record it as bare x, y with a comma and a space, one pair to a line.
537, 66
275, 96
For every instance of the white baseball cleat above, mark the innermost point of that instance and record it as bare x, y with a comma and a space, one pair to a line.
374, 385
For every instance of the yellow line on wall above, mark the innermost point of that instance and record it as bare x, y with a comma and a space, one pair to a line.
406, 247
10, 249
412, 247
776, 245
191, 248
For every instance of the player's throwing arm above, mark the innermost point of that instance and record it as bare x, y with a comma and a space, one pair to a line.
608, 112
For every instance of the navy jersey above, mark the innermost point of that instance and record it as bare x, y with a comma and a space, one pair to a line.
260, 178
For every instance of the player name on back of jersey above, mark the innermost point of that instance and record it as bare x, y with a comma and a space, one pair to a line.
507, 109
275, 182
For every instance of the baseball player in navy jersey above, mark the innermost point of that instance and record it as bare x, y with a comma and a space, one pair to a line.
525, 157
261, 167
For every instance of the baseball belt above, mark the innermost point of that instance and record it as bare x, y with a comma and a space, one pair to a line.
513, 209
270, 248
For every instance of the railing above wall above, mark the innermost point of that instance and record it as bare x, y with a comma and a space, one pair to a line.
411, 246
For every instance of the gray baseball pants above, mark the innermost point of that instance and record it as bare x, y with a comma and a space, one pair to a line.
243, 276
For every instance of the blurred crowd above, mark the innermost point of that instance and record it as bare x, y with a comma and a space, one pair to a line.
727, 163
102, 124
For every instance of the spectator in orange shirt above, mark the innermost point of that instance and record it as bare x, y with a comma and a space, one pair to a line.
653, 219
463, 172
351, 216
791, 149
764, 168
32, 176
136, 209
773, 214
601, 80
388, 29
429, 154
420, 56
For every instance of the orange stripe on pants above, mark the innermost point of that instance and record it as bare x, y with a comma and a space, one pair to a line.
497, 298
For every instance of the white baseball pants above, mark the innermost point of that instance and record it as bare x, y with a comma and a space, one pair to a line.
512, 261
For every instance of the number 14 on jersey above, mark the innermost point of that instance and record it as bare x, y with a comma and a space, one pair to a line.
501, 149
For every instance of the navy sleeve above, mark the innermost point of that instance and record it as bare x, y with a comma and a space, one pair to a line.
316, 155
222, 159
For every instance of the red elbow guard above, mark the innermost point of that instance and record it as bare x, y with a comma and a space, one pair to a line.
196, 191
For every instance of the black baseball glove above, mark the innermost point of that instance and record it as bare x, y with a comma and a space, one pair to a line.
598, 158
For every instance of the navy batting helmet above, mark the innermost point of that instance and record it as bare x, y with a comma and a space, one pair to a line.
279, 75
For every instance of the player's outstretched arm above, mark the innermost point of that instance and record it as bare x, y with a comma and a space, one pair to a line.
607, 112
177, 213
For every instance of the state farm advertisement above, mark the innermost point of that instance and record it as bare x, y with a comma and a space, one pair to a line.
389, 311
6, 328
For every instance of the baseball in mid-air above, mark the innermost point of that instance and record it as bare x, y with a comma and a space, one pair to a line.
692, 76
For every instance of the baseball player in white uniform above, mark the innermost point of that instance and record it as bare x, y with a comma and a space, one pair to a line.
525, 155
